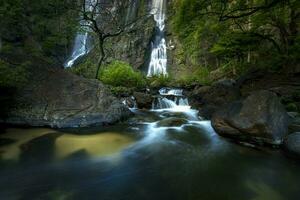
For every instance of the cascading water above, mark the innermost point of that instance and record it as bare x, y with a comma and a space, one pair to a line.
158, 60
173, 100
80, 48
171, 91
81, 45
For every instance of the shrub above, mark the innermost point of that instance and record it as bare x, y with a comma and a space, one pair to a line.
201, 75
86, 69
159, 81
122, 74
12, 76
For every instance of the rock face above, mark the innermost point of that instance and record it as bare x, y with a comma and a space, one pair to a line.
259, 118
292, 144
209, 99
134, 47
294, 126
143, 100
59, 99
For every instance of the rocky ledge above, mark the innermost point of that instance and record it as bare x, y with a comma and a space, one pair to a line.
56, 98
259, 118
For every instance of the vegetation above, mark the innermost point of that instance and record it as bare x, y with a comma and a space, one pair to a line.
237, 35
112, 23
37, 28
121, 74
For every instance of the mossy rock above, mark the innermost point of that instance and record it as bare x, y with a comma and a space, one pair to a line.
172, 122
291, 107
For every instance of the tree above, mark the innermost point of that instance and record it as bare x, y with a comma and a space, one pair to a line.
268, 29
106, 20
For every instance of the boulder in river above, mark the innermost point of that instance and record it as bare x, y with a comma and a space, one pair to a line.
292, 144
209, 99
172, 122
143, 100
56, 98
260, 118
294, 126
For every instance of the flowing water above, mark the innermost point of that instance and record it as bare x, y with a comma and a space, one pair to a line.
158, 60
165, 153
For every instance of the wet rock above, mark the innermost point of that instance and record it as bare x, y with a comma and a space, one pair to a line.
172, 122
57, 98
294, 126
129, 101
292, 144
260, 118
143, 100
209, 99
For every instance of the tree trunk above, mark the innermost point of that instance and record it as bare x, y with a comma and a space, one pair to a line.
102, 56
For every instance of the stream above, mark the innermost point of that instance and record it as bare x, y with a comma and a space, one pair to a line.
168, 152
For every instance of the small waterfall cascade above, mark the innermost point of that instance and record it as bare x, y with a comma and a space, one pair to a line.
81, 44
171, 98
130, 102
158, 59
171, 91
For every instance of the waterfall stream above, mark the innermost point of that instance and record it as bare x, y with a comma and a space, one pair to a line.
81, 45
158, 60
169, 142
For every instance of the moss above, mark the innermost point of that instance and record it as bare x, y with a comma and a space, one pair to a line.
291, 107
121, 91
159, 81
13, 75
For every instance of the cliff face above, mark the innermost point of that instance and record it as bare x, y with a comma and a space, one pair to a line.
133, 47
178, 63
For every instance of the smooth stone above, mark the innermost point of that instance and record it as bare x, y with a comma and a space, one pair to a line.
260, 118
172, 122
292, 144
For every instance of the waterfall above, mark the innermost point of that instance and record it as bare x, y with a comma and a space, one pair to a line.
171, 91
158, 60
79, 49
81, 46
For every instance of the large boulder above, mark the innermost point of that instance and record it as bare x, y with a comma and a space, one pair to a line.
294, 125
143, 100
292, 144
259, 118
209, 99
56, 98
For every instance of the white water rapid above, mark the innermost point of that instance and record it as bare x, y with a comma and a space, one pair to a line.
173, 100
158, 60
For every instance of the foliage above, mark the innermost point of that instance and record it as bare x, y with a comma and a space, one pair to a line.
236, 35
159, 81
122, 74
12, 76
38, 27
121, 91
87, 68
199, 76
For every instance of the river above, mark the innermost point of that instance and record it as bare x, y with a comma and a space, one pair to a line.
157, 154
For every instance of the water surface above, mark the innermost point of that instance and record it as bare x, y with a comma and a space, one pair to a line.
141, 159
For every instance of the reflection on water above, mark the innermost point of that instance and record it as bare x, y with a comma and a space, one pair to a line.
18, 137
161, 155
263, 191
94, 145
